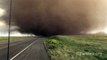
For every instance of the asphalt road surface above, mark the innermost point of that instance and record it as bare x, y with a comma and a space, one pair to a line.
33, 49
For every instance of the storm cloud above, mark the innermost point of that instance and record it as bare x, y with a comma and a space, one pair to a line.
59, 17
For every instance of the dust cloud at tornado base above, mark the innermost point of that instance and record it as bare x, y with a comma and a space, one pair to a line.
59, 17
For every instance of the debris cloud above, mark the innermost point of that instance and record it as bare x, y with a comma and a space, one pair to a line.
59, 17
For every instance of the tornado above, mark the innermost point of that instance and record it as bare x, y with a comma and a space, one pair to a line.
59, 17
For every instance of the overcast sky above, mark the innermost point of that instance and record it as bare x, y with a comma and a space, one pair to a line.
3, 26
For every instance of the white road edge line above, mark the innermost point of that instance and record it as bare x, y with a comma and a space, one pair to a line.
22, 50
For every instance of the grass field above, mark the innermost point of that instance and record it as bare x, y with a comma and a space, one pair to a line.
13, 38
77, 47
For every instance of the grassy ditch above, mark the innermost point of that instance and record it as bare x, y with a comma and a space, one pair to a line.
77, 47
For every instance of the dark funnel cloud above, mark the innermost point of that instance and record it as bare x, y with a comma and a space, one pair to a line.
56, 17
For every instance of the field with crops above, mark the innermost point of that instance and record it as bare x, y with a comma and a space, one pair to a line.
77, 47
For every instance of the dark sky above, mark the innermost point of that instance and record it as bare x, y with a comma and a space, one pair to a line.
49, 17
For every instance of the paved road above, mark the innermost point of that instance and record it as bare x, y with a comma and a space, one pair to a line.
25, 50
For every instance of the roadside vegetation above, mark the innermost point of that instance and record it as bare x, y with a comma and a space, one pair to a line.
3, 38
14, 38
77, 47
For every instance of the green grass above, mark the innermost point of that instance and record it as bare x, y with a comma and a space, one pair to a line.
77, 47
3, 38
13, 38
